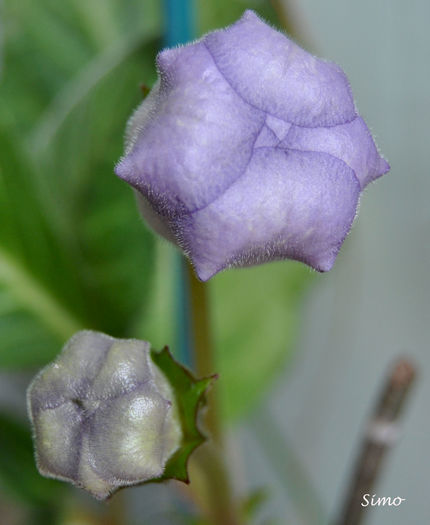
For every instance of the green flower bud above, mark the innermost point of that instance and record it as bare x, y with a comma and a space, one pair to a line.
106, 416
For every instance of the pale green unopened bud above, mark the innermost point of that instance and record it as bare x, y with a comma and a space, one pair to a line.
104, 416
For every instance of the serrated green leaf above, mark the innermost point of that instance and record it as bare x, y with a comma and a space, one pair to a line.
189, 393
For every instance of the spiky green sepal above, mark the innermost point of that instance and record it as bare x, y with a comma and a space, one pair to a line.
190, 399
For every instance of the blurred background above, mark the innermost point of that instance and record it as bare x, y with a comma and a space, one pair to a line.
301, 356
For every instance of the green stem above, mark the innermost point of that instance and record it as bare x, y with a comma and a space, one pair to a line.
116, 512
203, 348
211, 487
207, 466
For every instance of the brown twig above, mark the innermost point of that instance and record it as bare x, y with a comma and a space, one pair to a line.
381, 434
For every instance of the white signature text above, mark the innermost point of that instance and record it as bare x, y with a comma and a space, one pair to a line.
383, 501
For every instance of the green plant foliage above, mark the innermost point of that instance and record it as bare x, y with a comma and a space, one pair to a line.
213, 14
253, 502
39, 292
114, 247
73, 252
256, 313
256, 321
189, 394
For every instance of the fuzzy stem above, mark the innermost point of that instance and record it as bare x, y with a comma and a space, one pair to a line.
215, 494
116, 510
203, 348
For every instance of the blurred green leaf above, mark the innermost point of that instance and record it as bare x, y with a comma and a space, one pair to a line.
256, 317
47, 43
116, 250
18, 474
214, 14
73, 251
253, 502
40, 301
158, 325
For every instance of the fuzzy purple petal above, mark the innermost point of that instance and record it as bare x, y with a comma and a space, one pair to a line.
274, 74
303, 204
249, 149
350, 142
199, 140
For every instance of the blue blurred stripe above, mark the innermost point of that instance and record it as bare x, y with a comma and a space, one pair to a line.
179, 21
179, 29
184, 342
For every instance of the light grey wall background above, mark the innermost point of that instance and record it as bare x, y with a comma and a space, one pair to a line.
375, 303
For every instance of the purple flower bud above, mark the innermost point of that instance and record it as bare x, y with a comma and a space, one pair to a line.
249, 149
104, 416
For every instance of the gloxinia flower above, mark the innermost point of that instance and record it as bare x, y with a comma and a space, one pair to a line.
104, 416
249, 149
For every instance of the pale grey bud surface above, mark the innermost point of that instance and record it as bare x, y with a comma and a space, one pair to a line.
104, 416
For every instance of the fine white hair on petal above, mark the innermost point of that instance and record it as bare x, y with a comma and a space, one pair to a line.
223, 103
